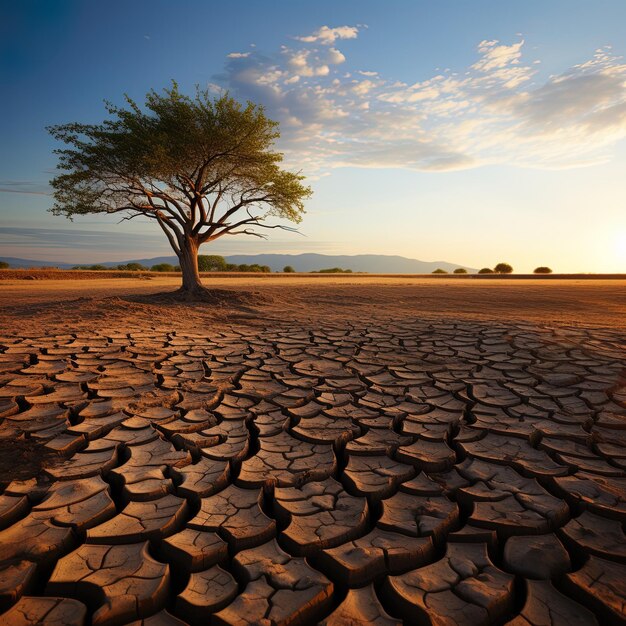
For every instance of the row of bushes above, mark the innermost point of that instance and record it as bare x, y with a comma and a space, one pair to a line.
206, 263
132, 267
167, 267
215, 263
331, 270
501, 268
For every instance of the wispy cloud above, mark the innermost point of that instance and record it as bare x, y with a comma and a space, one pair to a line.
55, 238
68, 245
23, 186
495, 110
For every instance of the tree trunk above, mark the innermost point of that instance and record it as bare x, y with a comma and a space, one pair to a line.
188, 258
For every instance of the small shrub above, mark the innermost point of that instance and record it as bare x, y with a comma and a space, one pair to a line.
485, 270
439, 271
460, 270
503, 268
5, 266
162, 267
211, 263
288, 269
335, 270
542, 270
132, 267
91, 268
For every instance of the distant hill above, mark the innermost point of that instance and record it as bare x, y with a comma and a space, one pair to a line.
372, 263
26, 263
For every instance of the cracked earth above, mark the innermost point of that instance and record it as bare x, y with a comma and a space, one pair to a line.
416, 471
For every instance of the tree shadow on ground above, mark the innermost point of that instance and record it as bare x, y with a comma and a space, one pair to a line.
241, 301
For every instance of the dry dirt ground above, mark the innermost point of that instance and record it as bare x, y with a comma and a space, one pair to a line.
345, 450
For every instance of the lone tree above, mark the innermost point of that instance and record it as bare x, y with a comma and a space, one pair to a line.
503, 268
485, 270
201, 168
542, 270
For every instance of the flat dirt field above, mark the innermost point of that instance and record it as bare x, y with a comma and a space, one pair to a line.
328, 449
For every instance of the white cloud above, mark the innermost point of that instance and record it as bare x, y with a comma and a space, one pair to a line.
328, 36
493, 111
363, 87
334, 57
303, 63
496, 55
238, 55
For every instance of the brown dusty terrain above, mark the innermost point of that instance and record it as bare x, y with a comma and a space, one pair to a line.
43, 305
352, 450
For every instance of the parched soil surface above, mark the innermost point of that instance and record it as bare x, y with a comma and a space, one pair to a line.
348, 453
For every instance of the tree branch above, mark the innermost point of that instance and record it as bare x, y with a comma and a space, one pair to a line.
176, 247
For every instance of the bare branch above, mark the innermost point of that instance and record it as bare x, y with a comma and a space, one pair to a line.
175, 244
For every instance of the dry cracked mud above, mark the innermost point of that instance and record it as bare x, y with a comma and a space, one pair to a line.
416, 472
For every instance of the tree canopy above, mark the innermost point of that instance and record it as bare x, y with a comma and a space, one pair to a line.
503, 268
199, 167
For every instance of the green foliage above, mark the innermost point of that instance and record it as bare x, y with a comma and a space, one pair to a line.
288, 269
92, 268
542, 270
255, 267
162, 267
211, 263
4, 265
440, 271
333, 270
485, 270
174, 162
460, 270
132, 267
503, 268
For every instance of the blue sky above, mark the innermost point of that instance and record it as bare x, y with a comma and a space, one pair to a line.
473, 132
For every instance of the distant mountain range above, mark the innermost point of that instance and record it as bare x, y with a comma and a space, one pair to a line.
371, 263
